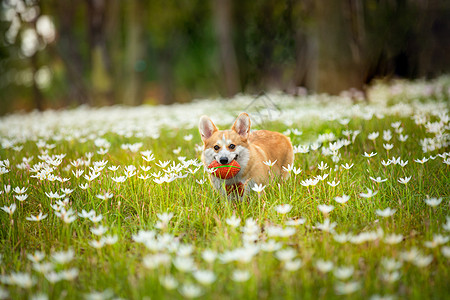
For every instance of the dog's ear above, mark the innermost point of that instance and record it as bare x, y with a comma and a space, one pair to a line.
242, 125
206, 128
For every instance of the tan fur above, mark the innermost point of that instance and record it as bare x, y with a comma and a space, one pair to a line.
267, 145
262, 146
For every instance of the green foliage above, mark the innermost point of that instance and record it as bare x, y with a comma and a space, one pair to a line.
125, 268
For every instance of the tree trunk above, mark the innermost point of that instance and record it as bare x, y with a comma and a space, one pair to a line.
339, 66
101, 79
38, 99
223, 26
134, 64
67, 48
166, 75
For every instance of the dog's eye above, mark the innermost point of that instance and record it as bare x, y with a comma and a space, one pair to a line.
232, 146
216, 147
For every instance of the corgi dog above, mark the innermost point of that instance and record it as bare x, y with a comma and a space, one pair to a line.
250, 149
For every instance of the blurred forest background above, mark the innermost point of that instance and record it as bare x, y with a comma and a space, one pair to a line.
62, 53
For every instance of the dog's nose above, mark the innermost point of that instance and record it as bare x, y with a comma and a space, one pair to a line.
223, 160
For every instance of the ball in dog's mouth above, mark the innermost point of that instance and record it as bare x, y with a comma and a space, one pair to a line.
225, 171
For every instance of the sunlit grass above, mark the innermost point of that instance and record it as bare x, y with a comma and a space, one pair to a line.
250, 261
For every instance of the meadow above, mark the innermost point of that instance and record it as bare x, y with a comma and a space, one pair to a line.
114, 202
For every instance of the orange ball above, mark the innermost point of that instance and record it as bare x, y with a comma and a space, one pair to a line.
225, 171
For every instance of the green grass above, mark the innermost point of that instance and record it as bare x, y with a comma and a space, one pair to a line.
200, 214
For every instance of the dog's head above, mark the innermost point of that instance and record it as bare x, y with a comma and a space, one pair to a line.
224, 146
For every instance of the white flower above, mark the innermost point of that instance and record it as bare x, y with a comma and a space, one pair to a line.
185, 250
324, 266
322, 166
342, 238
286, 254
343, 273
333, 183
404, 180
421, 161
9, 209
153, 261
310, 182
283, 208
258, 188
301, 149
21, 198
271, 246
110, 239
77, 173
169, 282
446, 251
188, 137
387, 212
342, 199
433, 202
201, 181
52, 195
403, 138
100, 230
205, 277
233, 221
292, 265
391, 277
63, 257
446, 226
393, 239
321, 177
184, 263
106, 294
163, 164
67, 191
269, 163
403, 163
209, 255
347, 166
240, 275
378, 179
113, 168
37, 218
296, 171
325, 209
97, 244
36, 257
386, 163
390, 264
422, 261
438, 240
295, 222
369, 194
409, 255
23, 280
388, 146
119, 179
190, 290
345, 288
327, 226
368, 155
105, 196
165, 217
289, 168
44, 267
373, 135
69, 274
94, 218
19, 190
